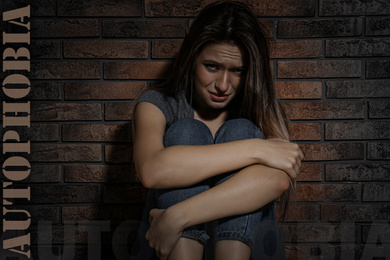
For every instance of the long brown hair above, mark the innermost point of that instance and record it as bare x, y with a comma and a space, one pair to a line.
233, 22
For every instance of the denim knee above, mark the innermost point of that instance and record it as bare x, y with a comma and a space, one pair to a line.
237, 129
188, 131
168, 197
184, 132
258, 229
248, 228
234, 130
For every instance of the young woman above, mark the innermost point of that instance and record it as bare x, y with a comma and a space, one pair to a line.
211, 143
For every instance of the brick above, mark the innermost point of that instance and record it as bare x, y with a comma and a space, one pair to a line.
379, 109
96, 8
96, 133
43, 8
118, 153
378, 151
44, 132
47, 251
100, 173
95, 49
298, 89
144, 28
356, 213
65, 70
376, 192
357, 48
124, 194
357, 89
357, 172
295, 49
376, 232
282, 7
134, 70
344, 251
93, 213
45, 91
45, 49
65, 194
327, 192
55, 234
68, 28
332, 151
317, 233
319, 69
374, 249
103, 90
65, 112
163, 8
165, 49
357, 130
300, 251
302, 213
378, 26
66, 153
356, 7
73, 239
37, 132
45, 173
305, 131
310, 172
324, 110
320, 28
266, 25
38, 213
119, 111
38, 7
378, 69
43, 213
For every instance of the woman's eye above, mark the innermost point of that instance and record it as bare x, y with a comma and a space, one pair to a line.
211, 66
238, 71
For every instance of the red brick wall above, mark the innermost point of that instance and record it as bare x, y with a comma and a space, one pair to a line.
90, 60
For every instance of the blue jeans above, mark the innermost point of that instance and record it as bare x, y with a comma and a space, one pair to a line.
257, 229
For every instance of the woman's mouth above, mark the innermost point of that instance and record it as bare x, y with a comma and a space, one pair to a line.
218, 98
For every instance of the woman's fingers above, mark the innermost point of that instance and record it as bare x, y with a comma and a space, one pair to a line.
163, 232
296, 168
284, 155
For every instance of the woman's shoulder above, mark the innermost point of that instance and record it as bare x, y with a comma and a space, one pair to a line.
173, 107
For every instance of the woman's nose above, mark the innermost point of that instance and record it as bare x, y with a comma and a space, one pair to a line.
222, 83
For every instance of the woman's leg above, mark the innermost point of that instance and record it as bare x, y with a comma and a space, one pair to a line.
186, 132
249, 236
187, 249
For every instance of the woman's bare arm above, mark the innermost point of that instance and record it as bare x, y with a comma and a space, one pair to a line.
248, 190
179, 166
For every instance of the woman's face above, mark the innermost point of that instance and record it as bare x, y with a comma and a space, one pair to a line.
219, 74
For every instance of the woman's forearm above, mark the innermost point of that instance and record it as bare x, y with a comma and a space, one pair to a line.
185, 165
248, 190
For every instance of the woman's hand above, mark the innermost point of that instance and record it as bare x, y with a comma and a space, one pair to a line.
283, 155
164, 232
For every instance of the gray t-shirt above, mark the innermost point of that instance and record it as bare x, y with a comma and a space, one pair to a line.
173, 108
